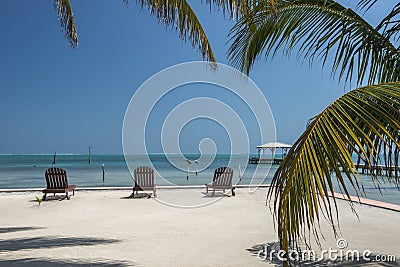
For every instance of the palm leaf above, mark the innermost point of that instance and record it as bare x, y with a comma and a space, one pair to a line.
391, 23
179, 15
66, 20
365, 123
366, 4
316, 28
176, 13
237, 8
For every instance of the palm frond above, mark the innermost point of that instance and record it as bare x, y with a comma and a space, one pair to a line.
391, 23
176, 13
179, 15
366, 4
316, 28
364, 123
66, 20
237, 8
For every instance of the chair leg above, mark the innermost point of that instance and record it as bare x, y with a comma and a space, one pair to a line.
67, 195
73, 192
44, 196
154, 192
213, 193
233, 191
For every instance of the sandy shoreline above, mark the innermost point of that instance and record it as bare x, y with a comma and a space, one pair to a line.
104, 228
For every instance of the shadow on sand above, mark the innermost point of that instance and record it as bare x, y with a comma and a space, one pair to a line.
54, 198
216, 195
340, 262
58, 262
138, 195
4, 230
51, 242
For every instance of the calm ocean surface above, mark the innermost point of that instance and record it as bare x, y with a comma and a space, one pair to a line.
27, 171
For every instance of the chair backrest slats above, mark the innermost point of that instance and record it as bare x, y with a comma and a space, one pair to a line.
56, 178
144, 176
223, 176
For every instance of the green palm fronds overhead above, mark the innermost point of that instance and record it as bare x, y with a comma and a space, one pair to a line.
390, 25
67, 22
317, 29
364, 122
179, 15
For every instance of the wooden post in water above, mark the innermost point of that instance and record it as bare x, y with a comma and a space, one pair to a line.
102, 168
188, 169
54, 159
90, 154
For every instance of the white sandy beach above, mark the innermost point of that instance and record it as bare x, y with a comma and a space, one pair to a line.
103, 228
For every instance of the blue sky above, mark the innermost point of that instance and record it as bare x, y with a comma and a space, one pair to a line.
54, 97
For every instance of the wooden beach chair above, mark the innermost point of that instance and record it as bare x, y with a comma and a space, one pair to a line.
222, 181
57, 182
144, 180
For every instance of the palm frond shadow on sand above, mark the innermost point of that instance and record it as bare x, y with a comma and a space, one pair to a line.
341, 262
217, 195
8, 246
39, 262
17, 244
139, 195
4, 230
52, 198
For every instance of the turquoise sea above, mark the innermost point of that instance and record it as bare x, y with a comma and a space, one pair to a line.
27, 171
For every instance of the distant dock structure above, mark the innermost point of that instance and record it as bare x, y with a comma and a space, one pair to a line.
256, 160
272, 146
378, 169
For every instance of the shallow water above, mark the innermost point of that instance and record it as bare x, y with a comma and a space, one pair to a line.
27, 171
23, 171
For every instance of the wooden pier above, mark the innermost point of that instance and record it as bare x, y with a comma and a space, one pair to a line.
272, 146
255, 160
362, 168
376, 169
369, 202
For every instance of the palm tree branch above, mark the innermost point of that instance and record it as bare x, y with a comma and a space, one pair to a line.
391, 23
357, 123
179, 14
66, 20
366, 4
315, 28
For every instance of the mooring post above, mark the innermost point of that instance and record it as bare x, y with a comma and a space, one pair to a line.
90, 153
102, 168
54, 159
188, 169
